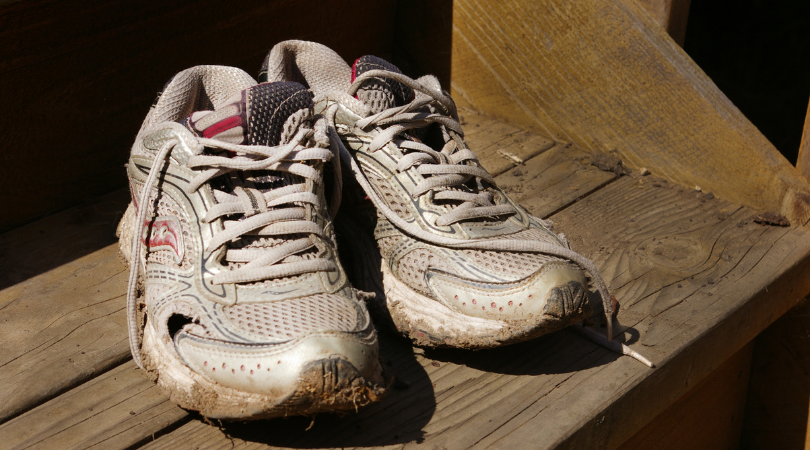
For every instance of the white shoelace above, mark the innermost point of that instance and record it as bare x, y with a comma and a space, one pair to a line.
259, 211
451, 167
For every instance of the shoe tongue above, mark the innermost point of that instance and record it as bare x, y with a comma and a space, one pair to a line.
380, 93
256, 116
265, 114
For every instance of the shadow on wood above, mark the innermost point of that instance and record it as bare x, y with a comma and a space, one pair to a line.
79, 78
776, 413
540, 356
709, 416
60, 238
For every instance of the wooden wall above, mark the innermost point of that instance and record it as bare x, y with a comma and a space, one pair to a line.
79, 77
776, 412
708, 416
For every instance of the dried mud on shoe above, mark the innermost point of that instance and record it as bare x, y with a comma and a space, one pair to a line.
462, 264
238, 306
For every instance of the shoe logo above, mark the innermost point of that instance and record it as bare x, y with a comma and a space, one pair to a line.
164, 234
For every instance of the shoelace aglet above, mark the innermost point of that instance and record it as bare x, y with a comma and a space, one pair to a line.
617, 347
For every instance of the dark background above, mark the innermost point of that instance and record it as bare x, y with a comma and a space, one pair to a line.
758, 53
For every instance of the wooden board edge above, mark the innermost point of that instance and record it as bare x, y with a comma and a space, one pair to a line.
616, 424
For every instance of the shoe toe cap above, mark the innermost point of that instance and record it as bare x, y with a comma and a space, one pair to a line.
331, 361
556, 291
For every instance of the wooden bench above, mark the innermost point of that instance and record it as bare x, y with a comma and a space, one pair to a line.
697, 279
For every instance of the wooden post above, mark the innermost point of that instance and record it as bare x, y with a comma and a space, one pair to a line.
604, 75
803, 161
671, 15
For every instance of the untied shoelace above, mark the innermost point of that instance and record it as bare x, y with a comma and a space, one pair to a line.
451, 167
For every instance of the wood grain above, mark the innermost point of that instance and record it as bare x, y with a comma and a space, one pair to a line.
500, 146
776, 412
695, 288
671, 15
605, 76
554, 179
60, 328
708, 416
113, 411
78, 79
61, 303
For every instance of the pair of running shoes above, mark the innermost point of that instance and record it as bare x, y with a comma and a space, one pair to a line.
242, 193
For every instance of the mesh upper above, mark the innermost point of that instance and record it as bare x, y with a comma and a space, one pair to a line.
390, 196
412, 267
380, 93
512, 264
265, 114
227, 105
288, 319
269, 105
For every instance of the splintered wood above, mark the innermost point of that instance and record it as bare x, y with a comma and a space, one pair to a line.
697, 279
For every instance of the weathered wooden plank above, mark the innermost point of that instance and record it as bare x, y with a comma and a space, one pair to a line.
694, 286
113, 411
776, 411
61, 328
630, 89
708, 416
554, 179
697, 281
500, 146
61, 303
671, 15
60, 238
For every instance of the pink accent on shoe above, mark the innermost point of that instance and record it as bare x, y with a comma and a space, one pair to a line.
166, 234
222, 125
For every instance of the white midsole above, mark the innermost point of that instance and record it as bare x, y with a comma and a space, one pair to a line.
412, 310
193, 391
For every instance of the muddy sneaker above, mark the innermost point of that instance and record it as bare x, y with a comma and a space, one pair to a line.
462, 265
237, 305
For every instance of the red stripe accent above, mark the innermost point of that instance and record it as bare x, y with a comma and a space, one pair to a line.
354, 73
222, 125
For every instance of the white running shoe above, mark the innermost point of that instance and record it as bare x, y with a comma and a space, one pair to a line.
461, 264
238, 305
